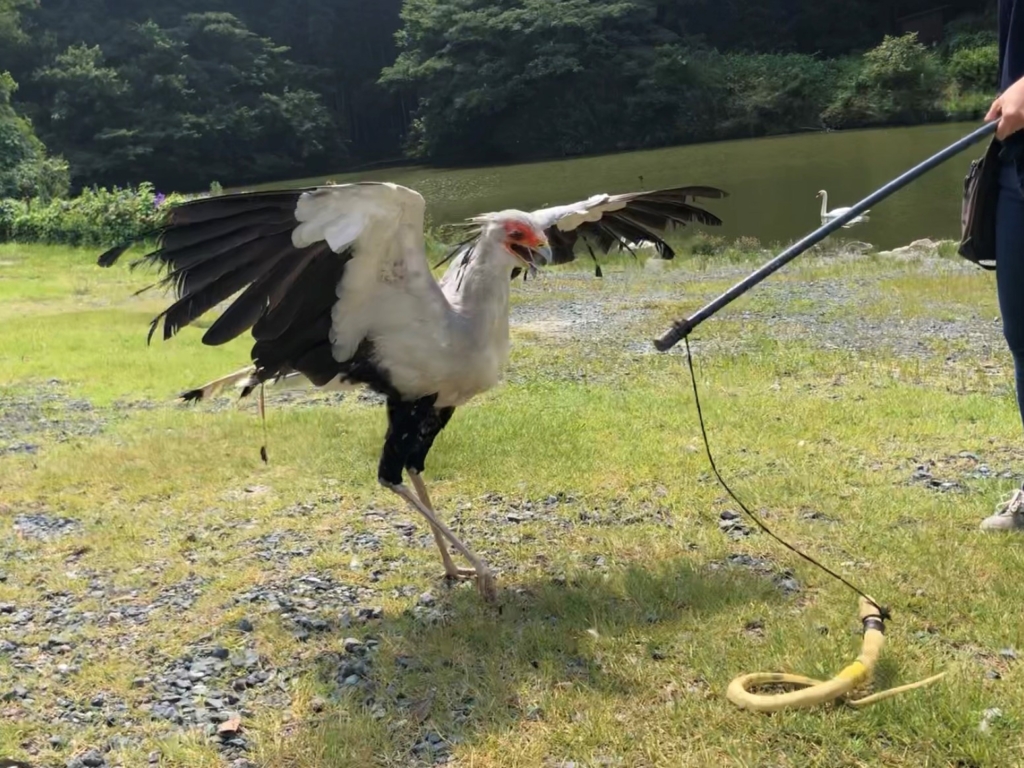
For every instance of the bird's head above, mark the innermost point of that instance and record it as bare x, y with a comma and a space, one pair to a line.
821, 193
515, 234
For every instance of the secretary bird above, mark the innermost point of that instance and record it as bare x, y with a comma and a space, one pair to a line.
337, 290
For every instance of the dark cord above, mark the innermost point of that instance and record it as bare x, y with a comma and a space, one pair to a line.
883, 612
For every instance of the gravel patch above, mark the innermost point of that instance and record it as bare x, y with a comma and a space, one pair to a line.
800, 310
314, 603
784, 580
955, 473
566, 511
731, 523
283, 545
31, 416
213, 690
588, 320
44, 527
923, 475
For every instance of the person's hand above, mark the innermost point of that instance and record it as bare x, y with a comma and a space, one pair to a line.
1009, 108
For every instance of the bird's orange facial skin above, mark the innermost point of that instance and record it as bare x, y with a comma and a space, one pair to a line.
523, 234
520, 240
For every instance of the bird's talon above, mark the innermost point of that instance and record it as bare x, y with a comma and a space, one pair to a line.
485, 584
460, 574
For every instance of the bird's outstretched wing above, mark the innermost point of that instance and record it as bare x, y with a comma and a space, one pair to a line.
604, 221
294, 255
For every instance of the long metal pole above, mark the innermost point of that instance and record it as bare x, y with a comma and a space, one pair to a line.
682, 328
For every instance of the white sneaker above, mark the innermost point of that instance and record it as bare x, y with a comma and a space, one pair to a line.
1009, 516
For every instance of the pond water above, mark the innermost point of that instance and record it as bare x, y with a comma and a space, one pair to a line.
772, 182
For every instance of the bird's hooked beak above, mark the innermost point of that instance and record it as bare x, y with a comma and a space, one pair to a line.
543, 250
532, 253
540, 250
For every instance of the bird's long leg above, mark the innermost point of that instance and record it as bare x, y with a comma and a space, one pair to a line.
484, 577
452, 571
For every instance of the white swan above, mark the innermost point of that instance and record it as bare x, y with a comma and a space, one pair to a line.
827, 215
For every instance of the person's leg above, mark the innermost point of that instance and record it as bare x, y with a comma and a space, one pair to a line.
1010, 288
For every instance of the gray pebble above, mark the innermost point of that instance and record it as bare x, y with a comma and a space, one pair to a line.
91, 759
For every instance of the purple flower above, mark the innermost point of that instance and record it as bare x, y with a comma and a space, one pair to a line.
158, 199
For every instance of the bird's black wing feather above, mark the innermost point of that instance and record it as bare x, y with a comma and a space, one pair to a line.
212, 248
641, 216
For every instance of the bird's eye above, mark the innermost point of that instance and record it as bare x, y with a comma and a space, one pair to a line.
516, 235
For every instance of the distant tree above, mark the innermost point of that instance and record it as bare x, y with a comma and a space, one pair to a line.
10, 20
901, 81
521, 79
207, 97
25, 169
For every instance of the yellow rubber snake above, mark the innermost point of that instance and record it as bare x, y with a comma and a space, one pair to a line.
815, 692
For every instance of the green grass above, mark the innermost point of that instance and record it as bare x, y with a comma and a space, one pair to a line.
619, 630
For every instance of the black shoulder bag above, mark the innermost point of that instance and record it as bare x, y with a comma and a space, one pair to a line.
978, 212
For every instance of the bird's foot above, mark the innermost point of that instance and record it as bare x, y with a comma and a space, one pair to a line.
459, 574
485, 582
486, 585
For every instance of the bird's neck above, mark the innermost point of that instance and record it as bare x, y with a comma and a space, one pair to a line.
480, 291
824, 203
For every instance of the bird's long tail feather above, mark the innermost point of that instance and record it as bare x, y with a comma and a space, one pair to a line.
245, 379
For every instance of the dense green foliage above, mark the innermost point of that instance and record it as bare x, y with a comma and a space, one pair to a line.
511, 80
25, 169
975, 68
96, 217
184, 92
900, 81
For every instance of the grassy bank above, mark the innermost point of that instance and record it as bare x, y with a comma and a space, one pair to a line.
863, 405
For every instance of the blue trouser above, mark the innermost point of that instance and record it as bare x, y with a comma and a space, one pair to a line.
1010, 268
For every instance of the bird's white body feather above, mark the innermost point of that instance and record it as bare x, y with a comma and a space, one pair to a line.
449, 338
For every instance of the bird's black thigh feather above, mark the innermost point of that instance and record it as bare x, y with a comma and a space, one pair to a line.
413, 426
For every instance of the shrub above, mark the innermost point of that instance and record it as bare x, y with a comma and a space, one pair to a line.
97, 217
900, 81
705, 244
774, 93
967, 106
975, 68
8, 210
747, 244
